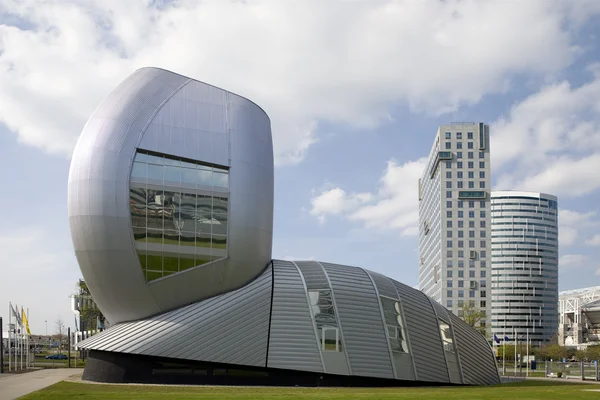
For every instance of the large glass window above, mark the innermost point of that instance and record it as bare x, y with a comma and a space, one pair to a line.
447, 337
178, 212
395, 326
324, 314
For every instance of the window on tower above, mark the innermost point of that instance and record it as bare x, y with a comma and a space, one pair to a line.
179, 213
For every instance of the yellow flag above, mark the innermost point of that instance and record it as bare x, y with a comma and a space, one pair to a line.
24, 319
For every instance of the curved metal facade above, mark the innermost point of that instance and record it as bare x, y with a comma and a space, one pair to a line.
171, 214
233, 329
524, 265
176, 117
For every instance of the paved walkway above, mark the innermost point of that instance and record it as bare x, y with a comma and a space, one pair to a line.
13, 386
570, 380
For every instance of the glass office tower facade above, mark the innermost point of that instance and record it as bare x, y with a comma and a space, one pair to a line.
524, 239
454, 218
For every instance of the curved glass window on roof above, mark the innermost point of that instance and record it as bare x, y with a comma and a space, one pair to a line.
178, 213
393, 319
323, 311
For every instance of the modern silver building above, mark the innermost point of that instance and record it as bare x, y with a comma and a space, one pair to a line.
524, 265
454, 218
171, 213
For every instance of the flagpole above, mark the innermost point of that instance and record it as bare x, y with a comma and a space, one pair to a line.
17, 341
10, 317
515, 333
28, 337
18, 333
21, 338
504, 354
527, 345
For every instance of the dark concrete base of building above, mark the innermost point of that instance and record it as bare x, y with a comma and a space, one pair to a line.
110, 367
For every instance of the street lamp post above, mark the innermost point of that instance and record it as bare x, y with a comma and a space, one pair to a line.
46, 321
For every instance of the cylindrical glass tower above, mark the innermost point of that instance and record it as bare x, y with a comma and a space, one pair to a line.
524, 265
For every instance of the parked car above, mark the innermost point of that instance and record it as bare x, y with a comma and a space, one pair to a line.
56, 357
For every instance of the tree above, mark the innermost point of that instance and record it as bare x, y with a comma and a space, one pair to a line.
581, 355
593, 352
472, 316
554, 352
60, 332
510, 352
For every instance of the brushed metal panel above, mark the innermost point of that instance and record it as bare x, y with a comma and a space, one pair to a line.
385, 330
292, 344
220, 324
404, 366
162, 111
170, 293
315, 279
476, 356
360, 317
424, 332
335, 362
111, 274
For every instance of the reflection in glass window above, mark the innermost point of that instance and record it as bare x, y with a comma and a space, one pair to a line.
179, 213
447, 338
395, 327
322, 309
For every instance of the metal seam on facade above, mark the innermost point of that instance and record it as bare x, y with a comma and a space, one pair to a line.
270, 311
137, 145
354, 292
291, 324
393, 364
427, 346
477, 368
153, 336
412, 358
312, 316
393, 292
437, 308
337, 315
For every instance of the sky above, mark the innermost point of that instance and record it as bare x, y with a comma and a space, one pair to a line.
355, 91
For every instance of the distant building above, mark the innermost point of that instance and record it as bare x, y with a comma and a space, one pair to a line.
524, 285
454, 246
87, 314
579, 312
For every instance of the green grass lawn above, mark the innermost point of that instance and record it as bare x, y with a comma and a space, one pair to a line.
529, 390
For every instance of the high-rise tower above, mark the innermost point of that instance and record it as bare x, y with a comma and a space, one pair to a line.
524, 239
454, 218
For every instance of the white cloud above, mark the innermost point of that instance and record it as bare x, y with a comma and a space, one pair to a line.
575, 218
594, 240
573, 260
35, 267
304, 62
550, 142
571, 223
335, 202
567, 236
395, 204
